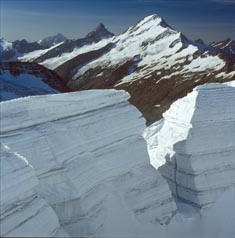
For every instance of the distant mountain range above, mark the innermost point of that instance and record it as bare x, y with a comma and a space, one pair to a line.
155, 63
48, 47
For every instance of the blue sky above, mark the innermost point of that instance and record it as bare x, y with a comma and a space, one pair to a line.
34, 19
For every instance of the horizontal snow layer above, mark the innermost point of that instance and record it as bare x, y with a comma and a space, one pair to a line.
91, 160
195, 143
23, 212
20, 114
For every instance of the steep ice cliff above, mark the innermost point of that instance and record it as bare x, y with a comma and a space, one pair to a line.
23, 211
193, 146
91, 161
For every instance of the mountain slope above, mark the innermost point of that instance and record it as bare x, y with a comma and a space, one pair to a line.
20, 79
153, 62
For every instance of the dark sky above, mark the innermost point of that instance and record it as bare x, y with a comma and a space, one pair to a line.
211, 20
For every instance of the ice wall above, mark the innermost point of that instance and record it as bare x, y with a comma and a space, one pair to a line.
194, 145
91, 161
23, 211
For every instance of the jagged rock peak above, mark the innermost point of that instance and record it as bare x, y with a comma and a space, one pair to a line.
200, 41
100, 31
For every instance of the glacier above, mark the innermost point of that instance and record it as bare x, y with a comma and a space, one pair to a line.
193, 145
91, 161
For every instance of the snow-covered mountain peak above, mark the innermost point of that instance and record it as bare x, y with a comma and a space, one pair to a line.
151, 22
152, 17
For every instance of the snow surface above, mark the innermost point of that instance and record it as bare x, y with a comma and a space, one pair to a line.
194, 146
